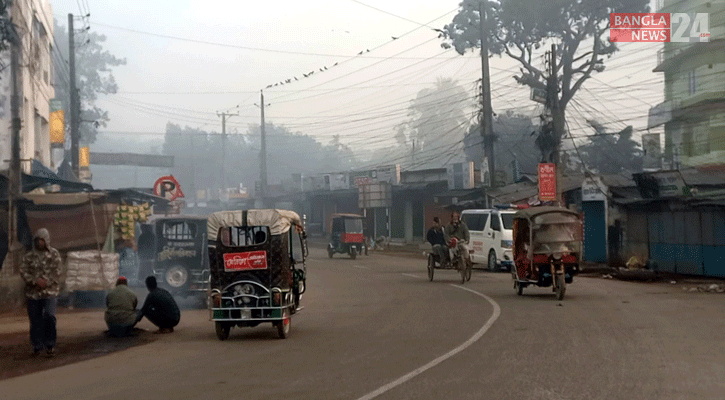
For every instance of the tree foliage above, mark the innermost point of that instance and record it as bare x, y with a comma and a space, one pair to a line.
436, 124
198, 156
94, 77
519, 29
514, 141
612, 153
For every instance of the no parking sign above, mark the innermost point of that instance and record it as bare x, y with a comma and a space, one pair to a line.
168, 187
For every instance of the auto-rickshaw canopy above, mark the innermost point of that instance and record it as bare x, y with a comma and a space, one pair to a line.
533, 212
278, 221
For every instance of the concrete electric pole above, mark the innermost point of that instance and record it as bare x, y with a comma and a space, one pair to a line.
487, 117
74, 112
224, 116
263, 153
15, 178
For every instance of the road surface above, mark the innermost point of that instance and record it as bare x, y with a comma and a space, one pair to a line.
375, 327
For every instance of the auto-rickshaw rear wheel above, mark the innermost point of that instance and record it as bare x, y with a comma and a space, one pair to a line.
330, 252
284, 326
431, 266
353, 253
222, 330
560, 286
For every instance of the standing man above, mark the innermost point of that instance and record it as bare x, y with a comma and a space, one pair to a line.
160, 307
437, 239
121, 314
41, 272
458, 229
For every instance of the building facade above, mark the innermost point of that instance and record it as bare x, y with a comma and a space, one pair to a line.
693, 113
33, 20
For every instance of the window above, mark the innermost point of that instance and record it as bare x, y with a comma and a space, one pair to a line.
353, 226
691, 82
508, 221
472, 221
179, 231
241, 236
496, 222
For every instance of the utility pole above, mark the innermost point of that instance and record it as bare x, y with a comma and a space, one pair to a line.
74, 112
487, 117
263, 155
224, 147
15, 177
556, 124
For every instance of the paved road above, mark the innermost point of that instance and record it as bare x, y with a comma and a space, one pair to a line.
371, 321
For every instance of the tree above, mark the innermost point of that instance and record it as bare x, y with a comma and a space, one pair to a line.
518, 28
611, 153
436, 125
287, 153
94, 71
5, 29
514, 140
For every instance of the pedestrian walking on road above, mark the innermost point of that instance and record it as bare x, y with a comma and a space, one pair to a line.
41, 272
160, 307
121, 313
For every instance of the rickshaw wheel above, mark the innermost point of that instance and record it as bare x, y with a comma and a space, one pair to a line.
560, 286
330, 252
284, 326
222, 330
353, 253
469, 268
462, 270
519, 288
431, 267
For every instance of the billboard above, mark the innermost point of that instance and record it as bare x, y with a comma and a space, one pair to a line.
375, 195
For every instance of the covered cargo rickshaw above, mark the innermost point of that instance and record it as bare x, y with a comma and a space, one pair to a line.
547, 248
257, 264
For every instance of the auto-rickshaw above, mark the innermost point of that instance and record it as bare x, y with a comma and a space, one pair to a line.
547, 248
346, 235
258, 269
174, 249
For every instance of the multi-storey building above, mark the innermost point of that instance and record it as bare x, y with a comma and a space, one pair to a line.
693, 112
33, 20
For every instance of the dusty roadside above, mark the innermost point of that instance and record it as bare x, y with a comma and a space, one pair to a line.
80, 337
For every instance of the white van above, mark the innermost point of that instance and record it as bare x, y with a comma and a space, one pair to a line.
491, 237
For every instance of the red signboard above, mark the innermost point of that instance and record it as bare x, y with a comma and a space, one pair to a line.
547, 182
362, 180
245, 261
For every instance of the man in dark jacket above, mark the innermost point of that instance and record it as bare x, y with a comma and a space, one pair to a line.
160, 307
436, 238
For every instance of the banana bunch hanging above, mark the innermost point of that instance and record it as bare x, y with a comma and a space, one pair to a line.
126, 218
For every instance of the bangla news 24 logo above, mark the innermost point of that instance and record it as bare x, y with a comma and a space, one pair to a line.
659, 27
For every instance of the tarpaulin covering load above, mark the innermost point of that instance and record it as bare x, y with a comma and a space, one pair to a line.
73, 222
91, 270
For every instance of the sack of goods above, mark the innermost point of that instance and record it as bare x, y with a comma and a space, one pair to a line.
91, 270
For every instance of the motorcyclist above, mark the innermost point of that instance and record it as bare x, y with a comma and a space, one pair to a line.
457, 229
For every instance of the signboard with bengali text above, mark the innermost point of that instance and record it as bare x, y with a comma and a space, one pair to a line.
245, 261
